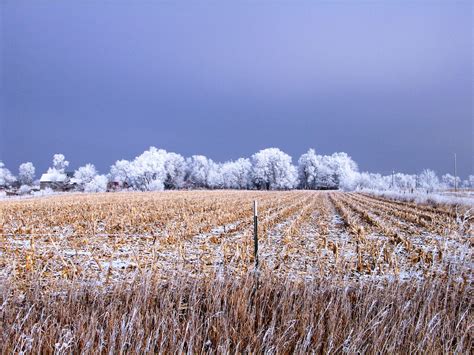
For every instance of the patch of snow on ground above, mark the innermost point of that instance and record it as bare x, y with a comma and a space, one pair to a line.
421, 197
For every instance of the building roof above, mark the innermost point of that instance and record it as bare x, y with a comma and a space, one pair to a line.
53, 177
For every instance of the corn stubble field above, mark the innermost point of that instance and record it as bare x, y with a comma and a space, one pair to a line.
174, 272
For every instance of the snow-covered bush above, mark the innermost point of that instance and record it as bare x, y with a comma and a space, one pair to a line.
45, 192
97, 184
24, 190
421, 197
155, 185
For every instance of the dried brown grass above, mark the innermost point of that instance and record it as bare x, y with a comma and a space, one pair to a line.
168, 273
221, 314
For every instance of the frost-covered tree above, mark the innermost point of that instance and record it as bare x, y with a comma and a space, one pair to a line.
470, 180
153, 170
465, 184
175, 168
449, 181
236, 174
344, 169
156, 169
327, 172
402, 181
215, 179
149, 170
272, 169
26, 173
197, 172
57, 171
122, 172
97, 184
60, 163
428, 180
399, 181
146, 172
371, 181
309, 168
85, 174
6, 177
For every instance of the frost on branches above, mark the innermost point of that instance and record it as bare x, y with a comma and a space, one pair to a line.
450, 182
175, 170
198, 169
428, 180
26, 174
97, 184
153, 170
6, 177
273, 170
236, 174
327, 172
269, 169
85, 174
57, 173
60, 163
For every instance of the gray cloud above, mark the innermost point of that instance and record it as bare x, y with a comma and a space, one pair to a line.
389, 83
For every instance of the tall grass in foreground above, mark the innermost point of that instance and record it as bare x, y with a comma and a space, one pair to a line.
227, 314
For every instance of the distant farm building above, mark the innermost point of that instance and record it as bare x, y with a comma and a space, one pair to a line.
58, 182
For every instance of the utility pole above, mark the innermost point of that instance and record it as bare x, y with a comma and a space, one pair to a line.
455, 174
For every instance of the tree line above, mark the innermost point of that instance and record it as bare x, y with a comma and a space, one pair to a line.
269, 169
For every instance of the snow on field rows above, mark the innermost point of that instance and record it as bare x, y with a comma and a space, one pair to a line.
302, 234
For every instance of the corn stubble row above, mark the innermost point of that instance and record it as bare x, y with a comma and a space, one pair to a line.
302, 234
172, 272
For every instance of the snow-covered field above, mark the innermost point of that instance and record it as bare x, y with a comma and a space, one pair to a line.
302, 234
465, 198
176, 270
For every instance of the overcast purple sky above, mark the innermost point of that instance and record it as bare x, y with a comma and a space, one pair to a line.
389, 82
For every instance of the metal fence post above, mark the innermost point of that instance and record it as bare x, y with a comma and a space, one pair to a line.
255, 232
